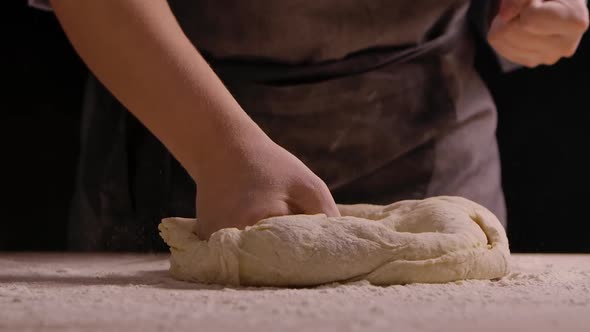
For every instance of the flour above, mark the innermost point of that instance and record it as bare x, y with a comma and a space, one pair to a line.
439, 239
543, 293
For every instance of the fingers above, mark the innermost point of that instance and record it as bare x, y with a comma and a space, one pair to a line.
263, 210
542, 34
529, 49
202, 231
554, 18
510, 9
240, 217
314, 197
326, 202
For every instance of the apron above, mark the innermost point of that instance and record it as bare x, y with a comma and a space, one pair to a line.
379, 98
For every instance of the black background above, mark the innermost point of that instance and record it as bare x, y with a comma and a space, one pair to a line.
543, 134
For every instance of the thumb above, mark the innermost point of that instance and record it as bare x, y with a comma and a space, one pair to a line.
510, 9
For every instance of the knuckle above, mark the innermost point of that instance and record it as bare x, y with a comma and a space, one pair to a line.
570, 51
322, 191
550, 61
527, 22
531, 63
551, 58
314, 185
526, 61
321, 187
569, 48
581, 21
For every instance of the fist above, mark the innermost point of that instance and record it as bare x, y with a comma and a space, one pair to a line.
538, 32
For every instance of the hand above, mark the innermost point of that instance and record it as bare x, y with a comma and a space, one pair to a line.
242, 176
538, 32
264, 181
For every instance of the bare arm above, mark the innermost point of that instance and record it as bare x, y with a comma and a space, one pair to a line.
139, 52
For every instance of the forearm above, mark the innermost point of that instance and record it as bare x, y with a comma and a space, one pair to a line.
139, 52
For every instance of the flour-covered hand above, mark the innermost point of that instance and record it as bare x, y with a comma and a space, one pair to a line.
262, 181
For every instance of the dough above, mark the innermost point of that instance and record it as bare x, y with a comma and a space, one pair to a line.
439, 239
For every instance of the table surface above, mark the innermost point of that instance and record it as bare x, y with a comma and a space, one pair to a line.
96, 292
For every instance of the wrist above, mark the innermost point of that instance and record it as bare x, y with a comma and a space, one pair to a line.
225, 148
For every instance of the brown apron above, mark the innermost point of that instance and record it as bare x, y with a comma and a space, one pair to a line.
379, 98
